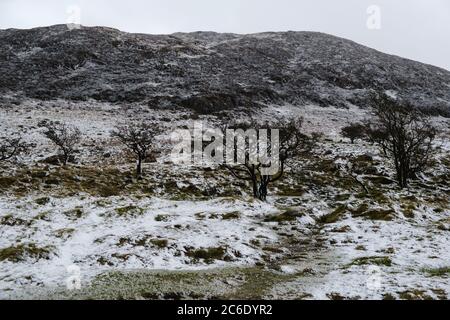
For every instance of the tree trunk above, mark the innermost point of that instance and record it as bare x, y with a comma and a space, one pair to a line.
255, 188
65, 159
263, 192
139, 168
402, 174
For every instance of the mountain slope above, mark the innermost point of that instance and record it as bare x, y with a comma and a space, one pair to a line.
210, 72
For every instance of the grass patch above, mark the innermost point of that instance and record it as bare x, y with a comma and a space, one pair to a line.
378, 196
379, 214
207, 254
129, 210
213, 284
72, 180
343, 229
231, 215
288, 215
10, 220
333, 216
273, 249
160, 243
6, 182
441, 294
64, 233
380, 180
162, 218
360, 210
42, 216
23, 251
373, 214
438, 272
289, 190
76, 213
342, 197
443, 224
42, 201
409, 205
414, 294
388, 296
378, 261
187, 192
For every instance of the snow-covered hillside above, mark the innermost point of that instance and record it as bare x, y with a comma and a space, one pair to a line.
318, 236
209, 72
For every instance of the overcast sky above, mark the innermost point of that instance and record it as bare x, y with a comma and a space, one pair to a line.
415, 29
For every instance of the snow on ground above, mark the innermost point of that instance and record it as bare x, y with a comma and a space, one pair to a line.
100, 235
405, 256
375, 260
329, 120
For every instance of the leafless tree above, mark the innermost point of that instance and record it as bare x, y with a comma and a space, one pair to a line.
11, 147
64, 137
139, 138
354, 131
292, 142
405, 135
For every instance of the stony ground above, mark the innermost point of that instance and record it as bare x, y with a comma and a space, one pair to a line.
194, 232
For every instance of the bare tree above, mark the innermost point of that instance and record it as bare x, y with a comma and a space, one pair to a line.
139, 138
354, 131
405, 135
292, 142
11, 147
64, 137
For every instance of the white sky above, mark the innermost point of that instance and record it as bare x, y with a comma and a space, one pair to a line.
415, 29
